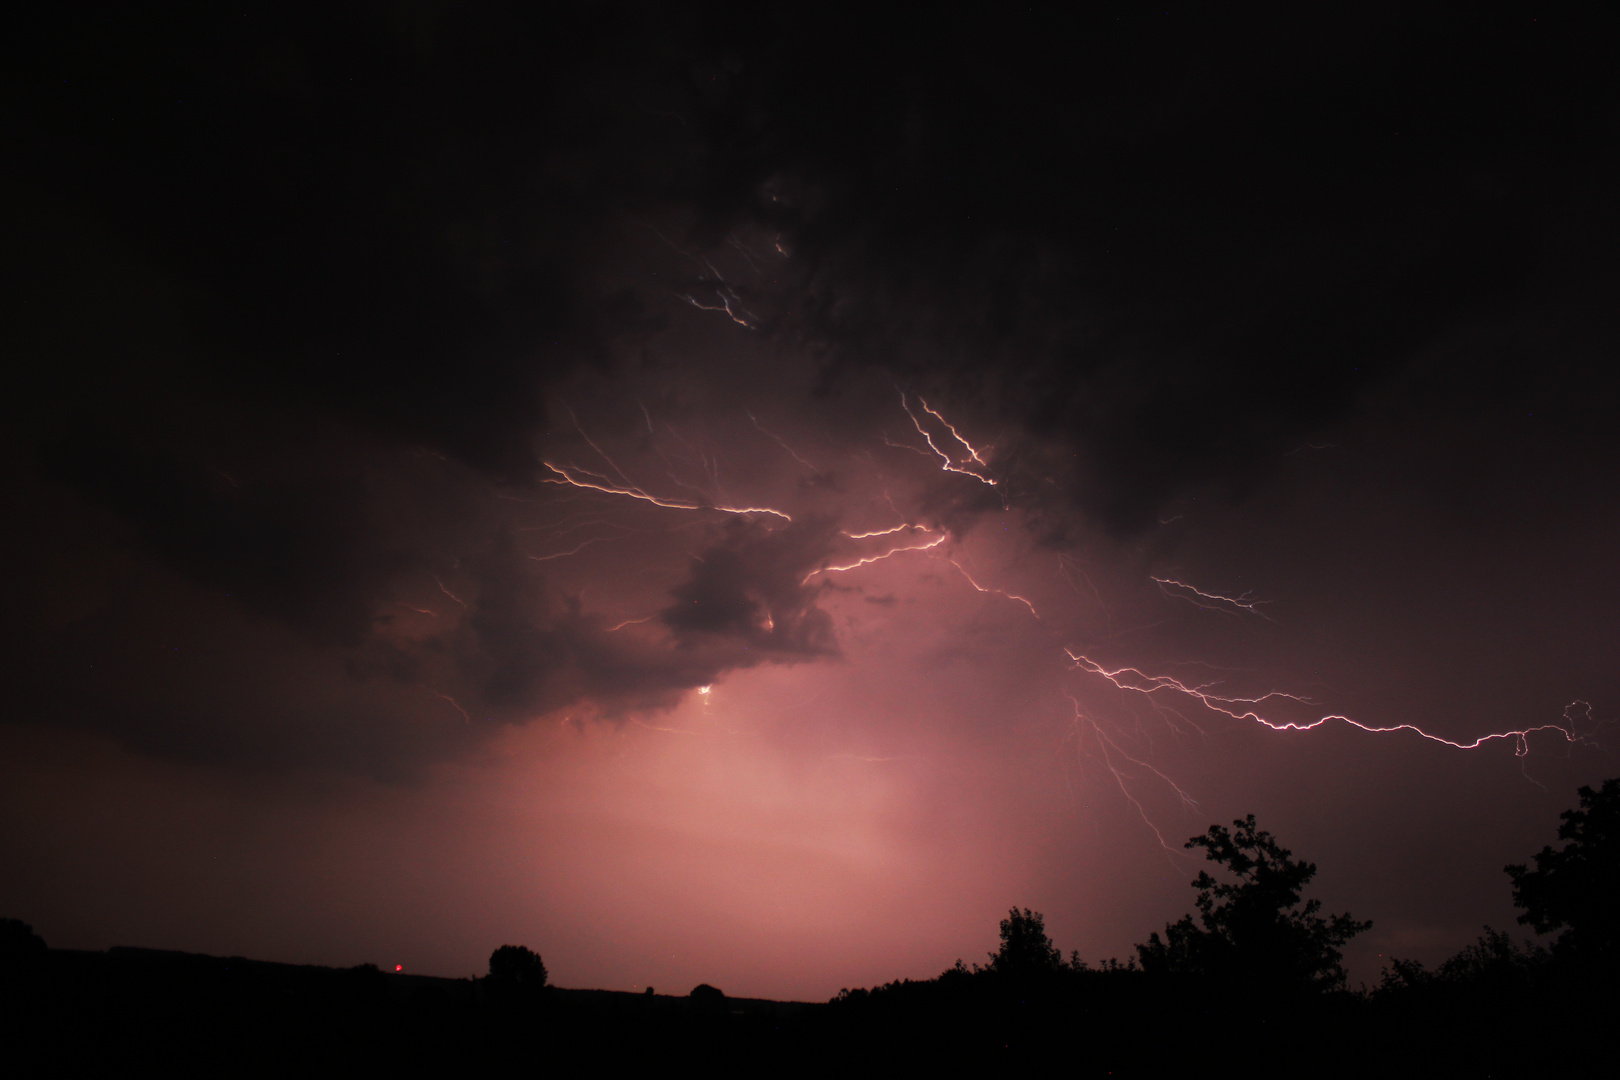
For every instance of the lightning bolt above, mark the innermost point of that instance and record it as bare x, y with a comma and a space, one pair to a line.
727, 298
575, 550
947, 463
453, 704
792, 453
883, 532
448, 593
574, 476
1232, 605
632, 622
1104, 743
868, 560
993, 592
726, 294
957, 435
1247, 708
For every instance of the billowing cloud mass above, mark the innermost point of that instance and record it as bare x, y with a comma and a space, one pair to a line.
759, 467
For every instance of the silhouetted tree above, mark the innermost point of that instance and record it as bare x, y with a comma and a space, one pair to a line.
1494, 964
1576, 889
1254, 930
18, 940
21, 953
1025, 948
708, 1001
516, 972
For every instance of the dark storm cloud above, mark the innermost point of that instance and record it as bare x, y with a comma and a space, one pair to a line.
272, 257
386, 215
1177, 242
308, 550
1160, 254
751, 589
524, 649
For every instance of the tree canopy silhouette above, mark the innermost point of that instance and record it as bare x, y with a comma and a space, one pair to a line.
708, 1002
1025, 948
1253, 929
1576, 888
516, 971
17, 939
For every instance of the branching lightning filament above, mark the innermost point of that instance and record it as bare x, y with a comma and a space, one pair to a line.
1248, 708
973, 465
575, 476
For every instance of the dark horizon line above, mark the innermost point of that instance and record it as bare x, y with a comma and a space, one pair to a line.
149, 953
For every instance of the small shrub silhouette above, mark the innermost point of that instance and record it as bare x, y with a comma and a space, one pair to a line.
708, 1001
516, 971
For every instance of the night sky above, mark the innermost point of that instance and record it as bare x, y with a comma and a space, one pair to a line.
747, 495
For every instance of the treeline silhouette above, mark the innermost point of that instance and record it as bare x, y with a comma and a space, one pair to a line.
1251, 982
1254, 982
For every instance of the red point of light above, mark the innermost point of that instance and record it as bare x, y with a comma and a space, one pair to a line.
399, 967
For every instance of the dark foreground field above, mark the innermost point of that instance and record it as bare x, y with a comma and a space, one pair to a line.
146, 1010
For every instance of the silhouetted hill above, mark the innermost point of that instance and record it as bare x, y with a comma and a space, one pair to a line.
154, 1007
1496, 1009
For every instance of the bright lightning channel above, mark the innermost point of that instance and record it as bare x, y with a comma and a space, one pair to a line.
947, 463
868, 560
1245, 708
1180, 590
994, 592
1104, 743
574, 476
883, 532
